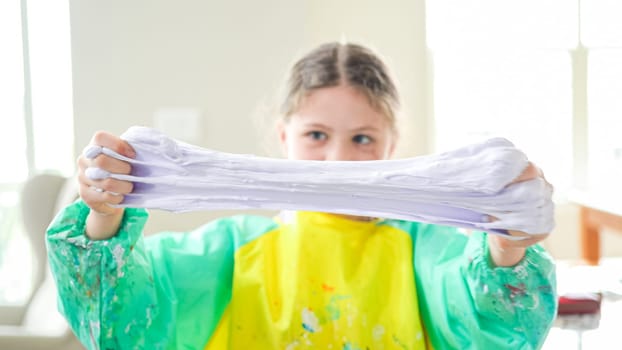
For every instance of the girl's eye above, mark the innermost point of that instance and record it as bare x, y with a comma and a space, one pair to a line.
317, 135
362, 139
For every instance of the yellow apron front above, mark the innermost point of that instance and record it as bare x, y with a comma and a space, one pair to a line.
325, 282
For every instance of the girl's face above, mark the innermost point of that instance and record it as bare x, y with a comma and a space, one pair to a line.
337, 123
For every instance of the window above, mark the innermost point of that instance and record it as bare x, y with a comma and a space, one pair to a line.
36, 118
601, 33
522, 95
544, 74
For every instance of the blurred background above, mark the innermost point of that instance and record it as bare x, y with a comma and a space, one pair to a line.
546, 74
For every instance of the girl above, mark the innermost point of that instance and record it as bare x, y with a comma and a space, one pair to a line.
302, 279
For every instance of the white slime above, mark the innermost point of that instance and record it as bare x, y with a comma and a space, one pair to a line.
463, 187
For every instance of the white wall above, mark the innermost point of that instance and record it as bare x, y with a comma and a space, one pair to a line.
222, 57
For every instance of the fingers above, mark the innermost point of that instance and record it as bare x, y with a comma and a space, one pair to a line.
99, 201
99, 195
531, 172
104, 139
94, 195
107, 185
527, 241
105, 162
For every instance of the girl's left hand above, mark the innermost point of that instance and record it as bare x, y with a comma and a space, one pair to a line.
505, 252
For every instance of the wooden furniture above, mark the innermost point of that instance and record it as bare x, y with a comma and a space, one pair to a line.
597, 210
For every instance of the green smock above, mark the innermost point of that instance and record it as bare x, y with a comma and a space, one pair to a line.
315, 280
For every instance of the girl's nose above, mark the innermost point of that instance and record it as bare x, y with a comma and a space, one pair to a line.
340, 151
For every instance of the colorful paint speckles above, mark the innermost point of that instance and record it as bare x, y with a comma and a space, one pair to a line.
310, 322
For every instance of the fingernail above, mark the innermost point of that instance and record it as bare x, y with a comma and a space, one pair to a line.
92, 151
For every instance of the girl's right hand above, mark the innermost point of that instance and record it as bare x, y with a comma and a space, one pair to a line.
104, 220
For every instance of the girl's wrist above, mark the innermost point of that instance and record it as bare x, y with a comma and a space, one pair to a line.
101, 226
504, 256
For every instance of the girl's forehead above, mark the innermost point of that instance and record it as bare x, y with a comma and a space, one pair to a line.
340, 107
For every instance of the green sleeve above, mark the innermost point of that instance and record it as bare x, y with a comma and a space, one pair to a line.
167, 291
467, 303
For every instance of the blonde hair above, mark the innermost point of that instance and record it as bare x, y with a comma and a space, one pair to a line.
334, 63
